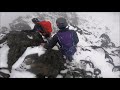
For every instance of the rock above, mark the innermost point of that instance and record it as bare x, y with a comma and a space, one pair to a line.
4, 75
49, 64
18, 43
19, 24
106, 41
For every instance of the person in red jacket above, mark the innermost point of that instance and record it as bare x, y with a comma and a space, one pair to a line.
44, 27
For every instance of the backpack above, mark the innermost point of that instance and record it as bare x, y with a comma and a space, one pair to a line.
66, 42
46, 25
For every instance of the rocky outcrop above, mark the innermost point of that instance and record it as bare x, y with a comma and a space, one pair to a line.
48, 64
18, 42
4, 75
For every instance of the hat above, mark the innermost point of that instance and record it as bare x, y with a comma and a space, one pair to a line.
61, 23
35, 20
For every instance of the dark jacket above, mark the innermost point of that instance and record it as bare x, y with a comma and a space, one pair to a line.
55, 40
37, 27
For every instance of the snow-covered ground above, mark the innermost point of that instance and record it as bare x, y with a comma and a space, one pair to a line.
3, 55
100, 20
22, 74
96, 56
98, 59
18, 74
96, 23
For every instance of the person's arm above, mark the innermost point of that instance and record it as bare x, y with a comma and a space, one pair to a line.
51, 43
75, 36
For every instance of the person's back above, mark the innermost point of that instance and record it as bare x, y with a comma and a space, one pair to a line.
66, 38
44, 27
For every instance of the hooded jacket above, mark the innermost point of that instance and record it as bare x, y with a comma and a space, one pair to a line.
55, 38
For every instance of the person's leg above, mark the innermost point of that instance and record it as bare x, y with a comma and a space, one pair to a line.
70, 58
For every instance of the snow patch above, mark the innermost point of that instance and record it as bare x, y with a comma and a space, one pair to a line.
4, 55
97, 57
22, 74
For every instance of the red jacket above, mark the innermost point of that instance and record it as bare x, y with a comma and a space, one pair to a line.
46, 25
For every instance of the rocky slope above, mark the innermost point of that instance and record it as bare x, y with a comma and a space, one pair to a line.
96, 57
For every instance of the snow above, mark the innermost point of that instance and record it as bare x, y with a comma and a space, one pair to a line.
59, 76
63, 71
86, 19
82, 40
3, 56
91, 21
39, 49
5, 71
22, 74
8, 17
98, 59
2, 35
116, 60
101, 20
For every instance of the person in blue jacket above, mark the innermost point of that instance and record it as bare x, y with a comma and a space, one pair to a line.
67, 39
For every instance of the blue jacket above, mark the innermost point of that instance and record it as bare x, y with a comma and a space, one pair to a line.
56, 40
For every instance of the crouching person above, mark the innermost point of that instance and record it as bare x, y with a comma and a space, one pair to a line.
67, 39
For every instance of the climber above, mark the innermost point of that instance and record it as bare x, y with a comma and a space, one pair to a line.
43, 27
67, 39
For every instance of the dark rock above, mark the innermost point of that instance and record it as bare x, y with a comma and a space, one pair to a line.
88, 62
48, 64
88, 76
4, 75
97, 71
106, 41
116, 68
18, 42
76, 74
